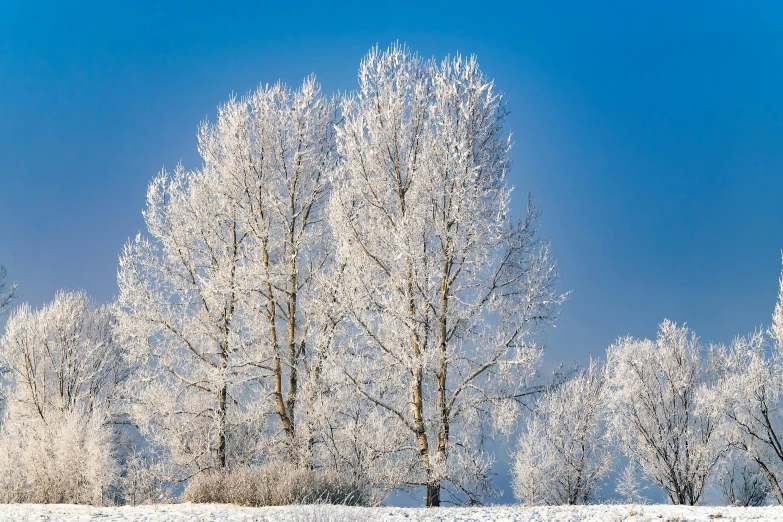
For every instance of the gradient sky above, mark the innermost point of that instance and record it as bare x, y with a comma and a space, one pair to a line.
650, 134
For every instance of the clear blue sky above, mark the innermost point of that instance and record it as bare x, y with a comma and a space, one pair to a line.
650, 133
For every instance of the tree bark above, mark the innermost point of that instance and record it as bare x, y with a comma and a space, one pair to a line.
293, 353
221, 415
433, 495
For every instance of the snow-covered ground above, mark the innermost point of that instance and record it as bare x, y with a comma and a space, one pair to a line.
213, 512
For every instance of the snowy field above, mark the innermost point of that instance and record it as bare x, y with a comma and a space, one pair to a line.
213, 512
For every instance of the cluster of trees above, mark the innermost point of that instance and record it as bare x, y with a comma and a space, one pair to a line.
340, 287
682, 414
340, 292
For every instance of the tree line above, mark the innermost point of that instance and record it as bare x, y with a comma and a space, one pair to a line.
341, 291
340, 286
683, 414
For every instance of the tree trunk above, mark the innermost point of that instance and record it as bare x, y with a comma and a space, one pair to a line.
221, 414
278, 370
417, 397
433, 495
443, 432
293, 353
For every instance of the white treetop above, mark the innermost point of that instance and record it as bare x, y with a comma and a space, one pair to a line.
442, 290
657, 418
563, 452
63, 357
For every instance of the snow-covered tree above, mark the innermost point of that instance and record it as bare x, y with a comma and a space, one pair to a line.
564, 452
63, 357
143, 476
656, 413
271, 152
64, 373
6, 294
749, 393
443, 292
229, 307
182, 319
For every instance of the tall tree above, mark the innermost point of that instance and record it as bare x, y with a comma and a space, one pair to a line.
442, 290
272, 151
231, 302
180, 317
657, 413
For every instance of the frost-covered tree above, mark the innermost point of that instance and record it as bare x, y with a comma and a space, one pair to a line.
64, 373
143, 476
749, 394
442, 290
271, 152
656, 413
228, 307
182, 319
564, 452
6, 294
63, 357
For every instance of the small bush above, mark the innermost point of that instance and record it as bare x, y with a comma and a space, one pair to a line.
67, 461
274, 485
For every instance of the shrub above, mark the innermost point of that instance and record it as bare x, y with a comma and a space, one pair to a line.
69, 460
275, 484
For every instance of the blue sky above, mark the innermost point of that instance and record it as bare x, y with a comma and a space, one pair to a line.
650, 134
